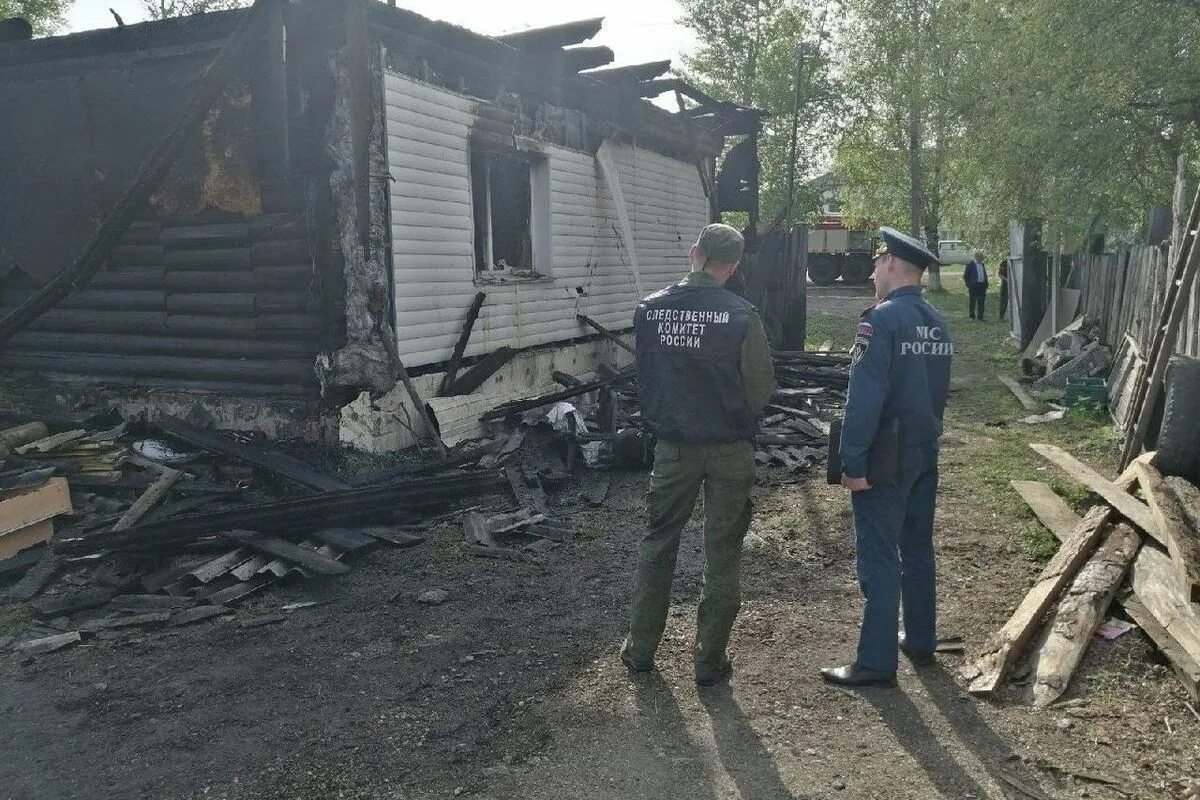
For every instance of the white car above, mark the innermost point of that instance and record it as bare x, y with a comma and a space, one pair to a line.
954, 251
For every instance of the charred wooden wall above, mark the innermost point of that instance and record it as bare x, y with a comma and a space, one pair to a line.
223, 284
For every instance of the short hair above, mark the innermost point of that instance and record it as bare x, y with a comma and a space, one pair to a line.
979, 254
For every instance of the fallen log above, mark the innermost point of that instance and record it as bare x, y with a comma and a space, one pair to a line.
1003, 648
606, 333
1080, 612
1130, 507
295, 516
461, 345
267, 458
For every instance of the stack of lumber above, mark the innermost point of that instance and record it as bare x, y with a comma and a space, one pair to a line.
1142, 552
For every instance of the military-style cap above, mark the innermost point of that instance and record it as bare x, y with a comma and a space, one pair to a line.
905, 248
721, 243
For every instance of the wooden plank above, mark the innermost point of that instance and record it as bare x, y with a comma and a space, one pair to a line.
267, 458
1080, 612
1189, 501
461, 345
35, 505
1186, 668
211, 570
143, 504
1029, 401
606, 333
49, 644
1050, 509
22, 434
16, 541
1182, 542
305, 557
51, 442
483, 369
1131, 508
1155, 583
1003, 647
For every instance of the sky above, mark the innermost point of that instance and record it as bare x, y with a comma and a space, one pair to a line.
636, 30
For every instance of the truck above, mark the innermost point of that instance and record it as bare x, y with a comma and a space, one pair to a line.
835, 251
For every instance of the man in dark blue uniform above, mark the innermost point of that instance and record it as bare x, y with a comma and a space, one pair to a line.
899, 379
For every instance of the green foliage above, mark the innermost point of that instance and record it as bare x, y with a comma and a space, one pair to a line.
162, 9
747, 55
1071, 112
46, 16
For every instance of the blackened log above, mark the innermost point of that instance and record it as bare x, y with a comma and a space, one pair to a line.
211, 303
521, 406
605, 332
634, 73
236, 258
473, 378
279, 253
130, 344
137, 255
580, 58
95, 254
552, 37
254, 371
461, 345
265, 457
306, 557
234, 234
104, 300
295, 516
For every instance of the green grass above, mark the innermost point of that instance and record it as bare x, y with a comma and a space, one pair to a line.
988, 447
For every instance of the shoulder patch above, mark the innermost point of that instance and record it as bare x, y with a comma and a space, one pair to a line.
865, 328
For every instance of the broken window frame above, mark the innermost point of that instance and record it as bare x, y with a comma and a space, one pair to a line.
538, 216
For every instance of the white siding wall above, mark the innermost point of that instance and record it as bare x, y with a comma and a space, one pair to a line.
432, 232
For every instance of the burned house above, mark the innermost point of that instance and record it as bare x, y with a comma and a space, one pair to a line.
362, 173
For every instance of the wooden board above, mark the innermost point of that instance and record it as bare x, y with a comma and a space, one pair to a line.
1003, 647
1130, 507
1050, 509
1154, 581
1026, 399
1186, 667
269, 459
1080, 612
305, 557
22, 434
166, 479
1182, 543
32, 506
51, 442
16, 541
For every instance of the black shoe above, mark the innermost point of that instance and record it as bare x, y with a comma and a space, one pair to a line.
919, 658
712, 679
633, 666
853, 675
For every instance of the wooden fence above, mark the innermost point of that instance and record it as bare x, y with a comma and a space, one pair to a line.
1124, 294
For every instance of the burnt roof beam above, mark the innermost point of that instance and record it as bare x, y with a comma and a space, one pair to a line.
581, 58
553, 37
634, 73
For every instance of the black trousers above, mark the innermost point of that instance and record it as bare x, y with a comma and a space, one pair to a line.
1003, 298
978, 296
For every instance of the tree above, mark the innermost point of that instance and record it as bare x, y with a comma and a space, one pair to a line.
162, 9
893, 158
747, 54
46, 16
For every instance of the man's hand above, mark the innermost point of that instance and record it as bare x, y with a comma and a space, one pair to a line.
855, 484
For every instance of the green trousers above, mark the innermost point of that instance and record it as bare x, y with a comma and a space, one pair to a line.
726, 471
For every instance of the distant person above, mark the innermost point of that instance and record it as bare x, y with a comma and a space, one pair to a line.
1003, 288
976, 278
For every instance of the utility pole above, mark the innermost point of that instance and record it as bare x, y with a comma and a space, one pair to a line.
795, 322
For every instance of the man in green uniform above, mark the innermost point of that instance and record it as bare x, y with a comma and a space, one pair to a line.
704, 376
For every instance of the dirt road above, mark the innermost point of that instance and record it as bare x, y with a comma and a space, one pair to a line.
512, 689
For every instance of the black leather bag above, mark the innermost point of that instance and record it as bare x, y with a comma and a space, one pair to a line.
883, 460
